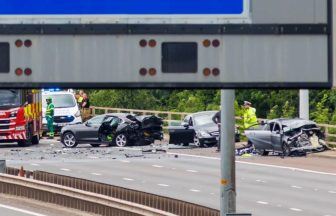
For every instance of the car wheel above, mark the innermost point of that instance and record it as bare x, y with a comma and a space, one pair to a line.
95, 145
121, 140
286, 149
69, 140
198, 142
263, 152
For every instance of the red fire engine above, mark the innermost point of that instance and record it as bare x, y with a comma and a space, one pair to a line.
20, 116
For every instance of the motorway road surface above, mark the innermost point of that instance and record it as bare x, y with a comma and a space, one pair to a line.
261, 189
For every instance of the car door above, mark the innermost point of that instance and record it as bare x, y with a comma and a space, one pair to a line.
276, 136
261, 139
183, 133
90, 130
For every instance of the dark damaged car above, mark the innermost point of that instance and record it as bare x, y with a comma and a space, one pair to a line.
197, 128
114, 129
287, 136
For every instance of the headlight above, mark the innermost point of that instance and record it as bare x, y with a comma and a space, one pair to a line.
13, 114
78, 113
202, 134
20, 128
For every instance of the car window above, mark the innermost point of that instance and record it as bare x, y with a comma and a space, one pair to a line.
186, 119
60, 100
276, 127
96, 120
267, 127
191, 122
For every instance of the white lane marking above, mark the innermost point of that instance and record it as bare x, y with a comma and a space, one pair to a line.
34, 164
332, 192
173, 168
262, 202
125, 161
261, 181
157, 166
128, 179
128, 148
297, 187
315, 189
192, 171
195, 190
21, 210
257, 164
96, 174
163, 185
65, 169
296, 209
212, 193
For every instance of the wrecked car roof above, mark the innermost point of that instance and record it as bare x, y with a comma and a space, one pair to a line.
294, 123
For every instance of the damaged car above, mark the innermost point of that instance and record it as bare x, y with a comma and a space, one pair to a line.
286, 136
114, 129
197, 128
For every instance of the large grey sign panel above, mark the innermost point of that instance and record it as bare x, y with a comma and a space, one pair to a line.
284, 43
117, 59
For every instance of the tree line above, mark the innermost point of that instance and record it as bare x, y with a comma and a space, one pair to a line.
269, 103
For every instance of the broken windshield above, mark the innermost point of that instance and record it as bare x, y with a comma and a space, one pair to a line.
9, 98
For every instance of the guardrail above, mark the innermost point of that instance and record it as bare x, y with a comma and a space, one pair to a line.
165, 115
163, 204
329, 130
73, 198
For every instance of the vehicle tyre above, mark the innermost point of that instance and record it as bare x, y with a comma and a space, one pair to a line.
199, 143
29, 138
36, 140
263, 152
121, 140
95, 145
285, 149
69, 140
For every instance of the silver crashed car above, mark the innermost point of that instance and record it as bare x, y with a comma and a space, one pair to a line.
286, 136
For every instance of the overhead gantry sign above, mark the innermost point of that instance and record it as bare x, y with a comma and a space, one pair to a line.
169, 44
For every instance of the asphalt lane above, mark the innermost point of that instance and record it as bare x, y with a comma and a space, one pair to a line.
261, 190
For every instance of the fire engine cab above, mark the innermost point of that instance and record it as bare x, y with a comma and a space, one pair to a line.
20, 116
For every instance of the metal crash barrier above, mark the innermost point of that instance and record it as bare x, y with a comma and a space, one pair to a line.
152, 201
73, 198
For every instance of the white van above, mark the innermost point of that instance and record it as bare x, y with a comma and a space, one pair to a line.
66, 109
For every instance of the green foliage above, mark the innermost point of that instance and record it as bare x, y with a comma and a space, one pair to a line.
321, 113
268, 103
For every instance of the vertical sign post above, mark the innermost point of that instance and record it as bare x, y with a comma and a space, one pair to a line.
228, 166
